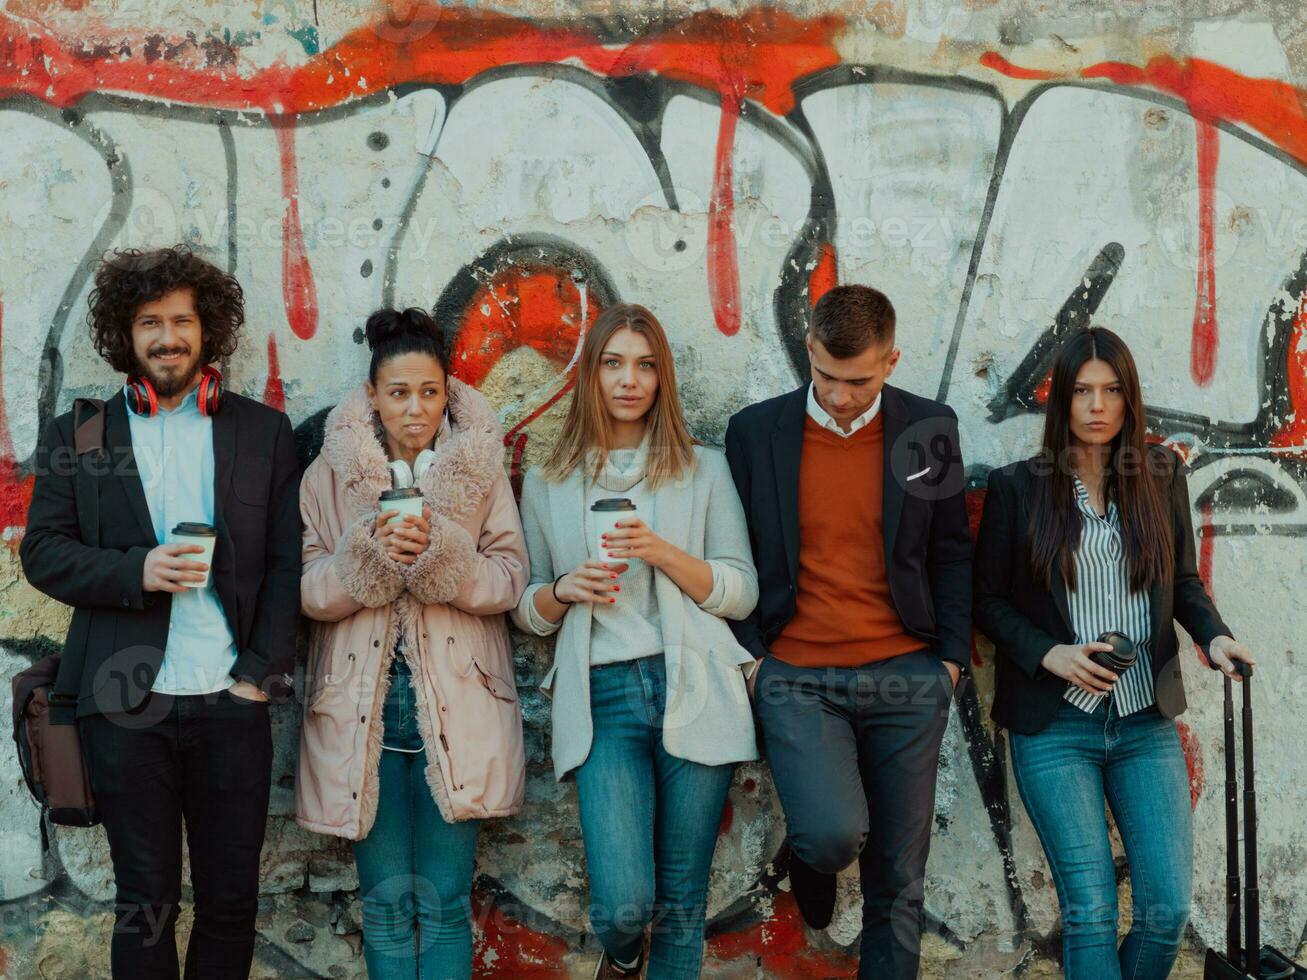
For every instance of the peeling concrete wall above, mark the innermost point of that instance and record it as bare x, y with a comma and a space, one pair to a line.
998, 169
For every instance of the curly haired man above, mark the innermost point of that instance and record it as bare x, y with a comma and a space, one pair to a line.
171, 652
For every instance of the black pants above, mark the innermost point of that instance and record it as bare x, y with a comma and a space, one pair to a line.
853, 753
205, 760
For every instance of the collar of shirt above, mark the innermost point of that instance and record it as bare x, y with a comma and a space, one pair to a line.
822, 417
1082, 500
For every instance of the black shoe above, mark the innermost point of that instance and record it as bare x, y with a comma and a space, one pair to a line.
813, 891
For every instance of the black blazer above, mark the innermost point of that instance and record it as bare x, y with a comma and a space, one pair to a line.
927, 541
1024, 621
118, 631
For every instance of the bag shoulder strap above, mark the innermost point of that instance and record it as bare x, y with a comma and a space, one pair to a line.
88, 440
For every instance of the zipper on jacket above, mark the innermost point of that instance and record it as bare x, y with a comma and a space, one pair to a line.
448, 769
377, 716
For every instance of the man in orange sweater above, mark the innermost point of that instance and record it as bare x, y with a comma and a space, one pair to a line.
853, 490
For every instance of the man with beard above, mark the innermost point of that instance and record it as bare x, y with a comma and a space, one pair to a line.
171, 673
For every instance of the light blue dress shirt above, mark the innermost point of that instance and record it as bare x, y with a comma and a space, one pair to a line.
174, 455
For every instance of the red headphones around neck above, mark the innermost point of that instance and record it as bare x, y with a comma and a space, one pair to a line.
142, 399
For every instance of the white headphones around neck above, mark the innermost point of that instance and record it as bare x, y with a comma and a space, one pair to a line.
401, 477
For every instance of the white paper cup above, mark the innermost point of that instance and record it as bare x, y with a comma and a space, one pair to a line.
206, 537
607, 513
406, 501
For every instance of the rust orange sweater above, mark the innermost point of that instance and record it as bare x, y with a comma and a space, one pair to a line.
845, 616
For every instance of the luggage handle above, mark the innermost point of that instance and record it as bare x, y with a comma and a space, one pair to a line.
1251, 893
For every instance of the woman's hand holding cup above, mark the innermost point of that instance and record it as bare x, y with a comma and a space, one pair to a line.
1071, 663
633, 538
405, 539
591, 581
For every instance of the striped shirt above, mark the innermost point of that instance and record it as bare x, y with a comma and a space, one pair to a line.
1102, 601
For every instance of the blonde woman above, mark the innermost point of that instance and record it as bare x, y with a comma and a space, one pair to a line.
650, 707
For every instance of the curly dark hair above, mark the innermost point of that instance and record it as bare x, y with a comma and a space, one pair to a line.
129, 278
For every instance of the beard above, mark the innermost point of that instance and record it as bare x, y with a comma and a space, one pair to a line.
170, 380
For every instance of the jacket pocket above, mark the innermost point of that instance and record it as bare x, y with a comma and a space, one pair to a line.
499, 688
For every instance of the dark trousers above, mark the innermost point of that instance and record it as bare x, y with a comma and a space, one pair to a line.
853, 753
205, 760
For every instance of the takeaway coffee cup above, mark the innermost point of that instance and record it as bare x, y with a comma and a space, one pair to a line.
607, 513
192, 532
407, 501
1123, 654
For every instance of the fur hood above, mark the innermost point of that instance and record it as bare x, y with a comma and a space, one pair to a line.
466, 463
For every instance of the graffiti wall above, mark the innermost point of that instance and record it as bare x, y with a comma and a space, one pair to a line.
1003, 176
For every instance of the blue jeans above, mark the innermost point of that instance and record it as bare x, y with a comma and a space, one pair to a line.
415, 870
1136, 762
649, 821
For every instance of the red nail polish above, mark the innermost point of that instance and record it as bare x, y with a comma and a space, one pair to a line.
617, 588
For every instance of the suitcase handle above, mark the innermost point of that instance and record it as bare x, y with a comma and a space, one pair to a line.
1251, 893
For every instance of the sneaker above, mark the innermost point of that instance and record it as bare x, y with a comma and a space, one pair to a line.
606, 969
814, 893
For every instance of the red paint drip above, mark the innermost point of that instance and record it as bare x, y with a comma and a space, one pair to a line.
15, 491
994, 60
298, 292
1193, 760
1206, 339
1293, 430
825, 274
723, 264
274, 392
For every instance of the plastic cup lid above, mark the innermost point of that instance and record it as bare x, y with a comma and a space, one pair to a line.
613, 503
195, 529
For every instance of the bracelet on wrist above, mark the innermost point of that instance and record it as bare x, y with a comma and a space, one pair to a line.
554, 591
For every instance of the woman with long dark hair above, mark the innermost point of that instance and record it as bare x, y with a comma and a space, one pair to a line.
1093, 536
650, 711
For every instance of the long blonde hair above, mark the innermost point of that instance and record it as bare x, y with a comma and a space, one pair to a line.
588, 430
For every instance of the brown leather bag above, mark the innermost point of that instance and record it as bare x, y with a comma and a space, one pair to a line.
45, 694
50, 752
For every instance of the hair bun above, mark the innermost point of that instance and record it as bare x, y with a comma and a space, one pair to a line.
384, 326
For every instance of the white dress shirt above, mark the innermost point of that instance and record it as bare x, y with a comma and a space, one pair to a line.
822, 417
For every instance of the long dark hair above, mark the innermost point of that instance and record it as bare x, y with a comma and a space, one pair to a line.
1131, 479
